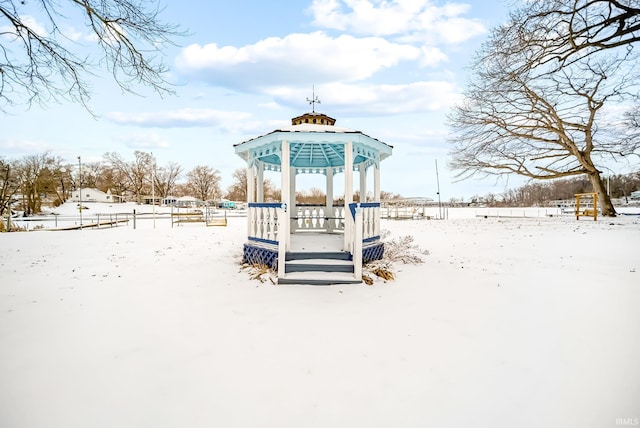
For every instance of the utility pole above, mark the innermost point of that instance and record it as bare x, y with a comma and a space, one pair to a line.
80, 188
153, 189
438, 182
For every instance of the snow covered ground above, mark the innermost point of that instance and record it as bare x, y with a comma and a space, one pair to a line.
510, 322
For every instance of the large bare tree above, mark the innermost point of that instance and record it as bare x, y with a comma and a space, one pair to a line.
559, 32
204, 182
40, 61
523, 114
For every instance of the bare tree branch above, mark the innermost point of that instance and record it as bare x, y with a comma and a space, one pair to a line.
40, 64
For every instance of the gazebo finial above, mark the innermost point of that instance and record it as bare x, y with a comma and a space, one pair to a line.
314, 99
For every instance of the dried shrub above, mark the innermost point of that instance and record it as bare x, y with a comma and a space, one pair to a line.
400, 250
259, 271
405, 250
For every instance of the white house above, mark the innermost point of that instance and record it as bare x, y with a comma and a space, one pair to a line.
93, 195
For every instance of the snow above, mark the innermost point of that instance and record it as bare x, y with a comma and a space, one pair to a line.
527, 322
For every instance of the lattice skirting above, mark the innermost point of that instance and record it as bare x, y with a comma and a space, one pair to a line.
372, 252
260, 255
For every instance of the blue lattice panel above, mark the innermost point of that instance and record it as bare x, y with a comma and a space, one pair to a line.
260, 255
372, 252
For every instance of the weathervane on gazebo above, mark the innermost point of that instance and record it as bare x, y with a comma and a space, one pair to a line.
314, 99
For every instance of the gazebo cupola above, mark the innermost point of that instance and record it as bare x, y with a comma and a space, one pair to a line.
312, 144
314, 119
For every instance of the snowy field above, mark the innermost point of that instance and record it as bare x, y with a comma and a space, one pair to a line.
510, 322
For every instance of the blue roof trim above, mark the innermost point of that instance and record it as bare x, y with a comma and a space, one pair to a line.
313, 149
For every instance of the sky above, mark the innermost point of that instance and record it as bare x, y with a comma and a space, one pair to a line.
390, 69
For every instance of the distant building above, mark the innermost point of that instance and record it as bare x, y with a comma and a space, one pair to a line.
94, 195
226, 204
169, 200
188, 202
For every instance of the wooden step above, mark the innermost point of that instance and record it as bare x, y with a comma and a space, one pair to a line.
318, 265
317, 278
318, 268
332, 255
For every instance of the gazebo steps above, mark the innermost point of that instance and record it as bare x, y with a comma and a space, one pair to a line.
318, 278
318, 265
328, 255
318, 268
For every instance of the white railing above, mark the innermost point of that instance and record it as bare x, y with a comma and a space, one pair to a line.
370, 219
364, 223
318, 218
262, 220
268, 224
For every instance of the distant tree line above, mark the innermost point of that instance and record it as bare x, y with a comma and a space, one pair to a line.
33, 179
548, 193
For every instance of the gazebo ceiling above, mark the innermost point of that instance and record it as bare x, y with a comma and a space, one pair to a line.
313, 148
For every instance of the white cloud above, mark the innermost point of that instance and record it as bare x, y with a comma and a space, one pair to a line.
182, 118
16, 147
145, 141
294, 59
28, 21
377, 99
420, 19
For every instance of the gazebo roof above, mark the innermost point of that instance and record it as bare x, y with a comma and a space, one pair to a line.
313, 147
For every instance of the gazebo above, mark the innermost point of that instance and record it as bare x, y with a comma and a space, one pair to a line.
313, 244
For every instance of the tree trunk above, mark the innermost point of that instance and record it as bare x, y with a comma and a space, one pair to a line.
604, 200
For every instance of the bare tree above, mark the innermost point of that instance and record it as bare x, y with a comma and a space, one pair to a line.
271, 192
34, 178
537, 121
37, 59
557, 33
204, 181
166, 178
9, 185
237, 191
137, 173
114, 179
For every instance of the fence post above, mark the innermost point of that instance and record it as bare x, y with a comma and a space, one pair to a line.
134, 219
357, 245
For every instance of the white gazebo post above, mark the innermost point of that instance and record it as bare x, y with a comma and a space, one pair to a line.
348, 194
293, 211
329, 203
285, 187
376, 197
251, 184
260, 183
363, 183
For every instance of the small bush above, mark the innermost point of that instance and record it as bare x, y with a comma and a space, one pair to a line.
400, 250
